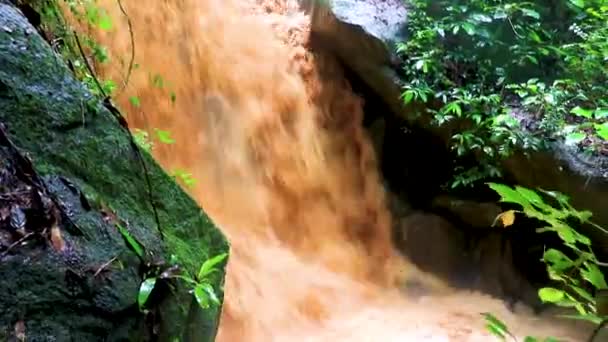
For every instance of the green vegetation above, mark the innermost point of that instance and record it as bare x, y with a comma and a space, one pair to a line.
201, 286
81, 53
503, 76
507, 75
575, 271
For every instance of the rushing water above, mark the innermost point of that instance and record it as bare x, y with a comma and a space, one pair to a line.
273, 134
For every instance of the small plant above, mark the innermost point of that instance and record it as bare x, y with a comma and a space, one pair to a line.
142, 139
200, 285
499, 329
185, 177
576, 272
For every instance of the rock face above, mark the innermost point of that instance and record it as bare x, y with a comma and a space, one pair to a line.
481, 262
68, 176
358, 31
362, 33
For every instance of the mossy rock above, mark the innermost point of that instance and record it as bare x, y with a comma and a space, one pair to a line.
85, 160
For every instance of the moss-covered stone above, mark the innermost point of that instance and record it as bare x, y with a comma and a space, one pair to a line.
72, 138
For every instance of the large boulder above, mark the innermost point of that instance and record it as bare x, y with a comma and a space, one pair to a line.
363, 34
69, 176
483, 262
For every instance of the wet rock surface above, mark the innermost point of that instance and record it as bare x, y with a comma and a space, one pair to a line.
68, 174
481, 262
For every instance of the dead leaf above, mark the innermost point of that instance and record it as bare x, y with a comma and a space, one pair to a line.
20, 331
507, 218
56, 239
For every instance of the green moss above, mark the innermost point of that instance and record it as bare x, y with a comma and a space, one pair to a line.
66, 132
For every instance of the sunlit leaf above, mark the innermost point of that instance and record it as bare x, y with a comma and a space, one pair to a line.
558, 260
202, 297
530, 13
582, 293
551, 295
495, 326
578, 3
575, 138
531, 196
164, 136
602, 130
135, 101
408, 96
209, 265
578, 111
508, 194
145, 289
105, 22
601, 113
592, 274
210, 293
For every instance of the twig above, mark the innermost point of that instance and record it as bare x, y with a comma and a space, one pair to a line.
104, 266
86, 63
122, 9
16, 243
513, 27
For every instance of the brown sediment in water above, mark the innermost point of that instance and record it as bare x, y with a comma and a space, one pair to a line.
273, 134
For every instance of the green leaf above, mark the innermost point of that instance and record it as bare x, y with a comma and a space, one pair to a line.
532, 197
530, 339
588, 317
495, 326
592, 274
145, 289
202, 297
578, 111
164, 136
530, 13
209, 265
575, 138
157, 81
469, 28
566, 233
185, 177
481, 18
105, 22
558, 260
135, 101
602, 130
578, 3
551, 295
582, 293
509, 195
408, 96
131, 241
210, 293
601, 113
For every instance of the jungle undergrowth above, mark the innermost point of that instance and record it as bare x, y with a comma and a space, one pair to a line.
509, 75
575, 271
